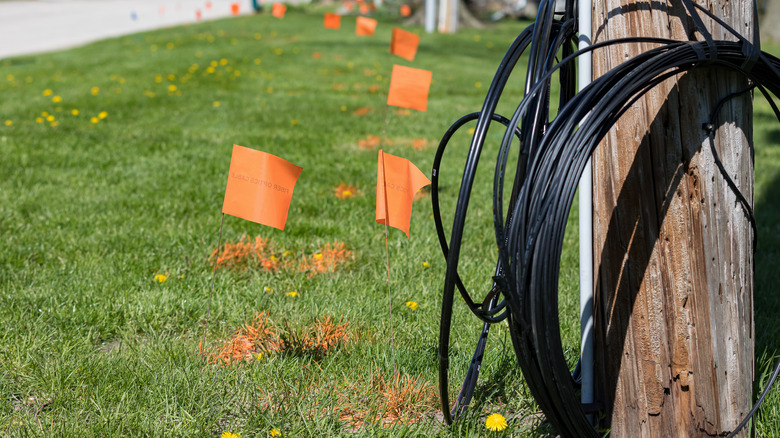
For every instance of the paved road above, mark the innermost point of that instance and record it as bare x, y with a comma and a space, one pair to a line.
36, 26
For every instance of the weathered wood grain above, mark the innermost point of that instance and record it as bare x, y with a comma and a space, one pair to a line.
673, 248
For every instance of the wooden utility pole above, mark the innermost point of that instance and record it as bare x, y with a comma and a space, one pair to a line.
673, 249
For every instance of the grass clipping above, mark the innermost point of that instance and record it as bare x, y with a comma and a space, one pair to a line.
258, 337
261, 253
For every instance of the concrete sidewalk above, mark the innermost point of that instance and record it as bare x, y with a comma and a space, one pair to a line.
28, 27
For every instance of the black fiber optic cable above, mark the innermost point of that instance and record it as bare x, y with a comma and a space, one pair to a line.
552, 155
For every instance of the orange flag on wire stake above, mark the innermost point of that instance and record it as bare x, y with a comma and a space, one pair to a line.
365, 26
409, 87
278, 10
404, 44
332, 21
259, 187
406, 10
235, 8
402, 179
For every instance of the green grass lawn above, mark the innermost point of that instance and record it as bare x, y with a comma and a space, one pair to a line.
114, 163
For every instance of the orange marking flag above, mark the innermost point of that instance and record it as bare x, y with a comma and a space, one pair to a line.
404, 44
198, 14
278, 10
365, 26
259, 187
409, 87
332, 21
235, 8
406, 10
403, 180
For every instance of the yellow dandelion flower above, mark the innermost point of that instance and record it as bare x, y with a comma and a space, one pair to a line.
47, 92
122, 80
267, 289
54, 124
216, 104
9, 122
56, 99
259, 356
278, 51
477, 38
495, 422
39, 120
102, 115
317, 256
75, 112
210, 70
471, 130
161, 278
158, 78
50, 118
171, 77
294, 122
214, 63
223, 61
274, 432
270, 89
343, 107
258, 61
426, 265
292, 293
95, 91
412, 305
169, 46
45, 114
171, 88
94, 120
286, 253
274, 258
230, 435
9, 77
478, 84
258, 36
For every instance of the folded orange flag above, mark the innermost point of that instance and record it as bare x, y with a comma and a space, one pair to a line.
404, 44
409, 87
406, 10
403, 179
332, 21
259, 187
365, 26
278, 10
235, 8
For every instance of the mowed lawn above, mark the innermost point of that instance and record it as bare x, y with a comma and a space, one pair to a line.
114, 160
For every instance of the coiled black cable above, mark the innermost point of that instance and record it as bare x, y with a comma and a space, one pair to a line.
552, 157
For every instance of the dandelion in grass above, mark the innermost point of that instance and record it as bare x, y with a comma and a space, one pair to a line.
10, 78
161, 278
412, 305
50, 118
286, 253
267, 289
426, 265
56, 99
495, 422
274, 432
317, 256
216, 104
39, 120
230, 435
95, 91
292, 294
171, 88
102, 115
47, 92
9, 123
75, 112
54, 124
94, 120
294, 122
344, 191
